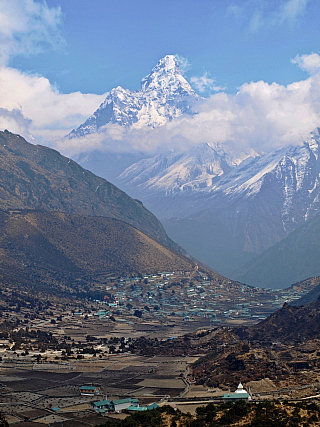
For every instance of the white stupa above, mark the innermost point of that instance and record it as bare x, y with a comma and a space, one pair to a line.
240, 389
239, 394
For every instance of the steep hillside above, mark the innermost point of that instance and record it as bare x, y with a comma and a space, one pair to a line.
65, 247
310, 297
294, 258
289, 324
37, 177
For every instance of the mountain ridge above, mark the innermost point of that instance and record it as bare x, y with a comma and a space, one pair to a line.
256, 205
164, 95
294, 258
239, 203
48, 247
37, 177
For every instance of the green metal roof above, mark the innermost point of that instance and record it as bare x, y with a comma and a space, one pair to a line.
152, 406
88, 387
102, 403
235, 396
128, 400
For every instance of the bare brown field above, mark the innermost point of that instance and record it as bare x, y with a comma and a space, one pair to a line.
52, 418
162, 383
79, 407
32, 392
12, 419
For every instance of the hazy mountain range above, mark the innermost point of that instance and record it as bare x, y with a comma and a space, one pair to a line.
223, 205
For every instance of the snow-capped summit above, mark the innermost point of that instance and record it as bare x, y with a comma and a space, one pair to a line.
164, 95
166, 76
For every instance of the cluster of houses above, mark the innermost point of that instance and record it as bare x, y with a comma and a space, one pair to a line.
132, 404
170, 294
113, 406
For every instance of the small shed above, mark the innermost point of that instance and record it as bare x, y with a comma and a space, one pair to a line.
89, 390
114, 405
133, 408
152, 406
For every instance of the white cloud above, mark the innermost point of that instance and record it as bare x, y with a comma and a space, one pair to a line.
259, 116
236, 10
257, 21
184, 64
309, 63
204, 83
30, 104
28, 27
14, 120
261, 14
291, 10
49, 114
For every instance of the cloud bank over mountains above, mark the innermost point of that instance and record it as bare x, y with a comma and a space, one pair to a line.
49, 113
260, 115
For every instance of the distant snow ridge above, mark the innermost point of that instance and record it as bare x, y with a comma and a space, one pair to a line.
291, 173
286, 180
165, 94
260, 198
195, 170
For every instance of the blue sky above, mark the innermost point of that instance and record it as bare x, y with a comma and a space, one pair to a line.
109, 43
256, 61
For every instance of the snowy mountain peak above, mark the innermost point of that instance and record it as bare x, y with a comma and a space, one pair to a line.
164, 95
169, 62
166, 65
313, 142
166, 75
196, 170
